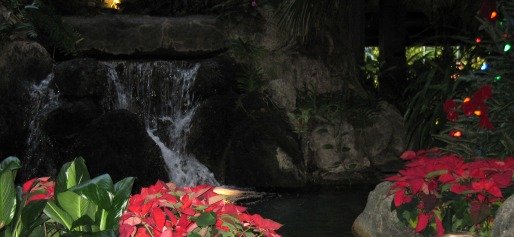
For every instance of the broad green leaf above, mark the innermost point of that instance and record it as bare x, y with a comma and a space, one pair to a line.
75, 205
7, 197
38, 231
71, 174
122, 191
9, 164
107, 233
58, 215
206, 219
98, 190
101, 220
31, 212
193, 235
82, 221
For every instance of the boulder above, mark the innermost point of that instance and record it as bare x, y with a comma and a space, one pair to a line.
503, 225
23, 62
210, 129
215, 77
263, 152
383, 141
143, 36
334, 153
68, 120
117, 143
377, 219
83, 79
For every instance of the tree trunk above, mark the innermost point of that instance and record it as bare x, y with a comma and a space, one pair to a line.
392, 37
348, 55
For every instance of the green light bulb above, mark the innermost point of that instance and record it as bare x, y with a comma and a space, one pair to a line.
507, 47
498, 77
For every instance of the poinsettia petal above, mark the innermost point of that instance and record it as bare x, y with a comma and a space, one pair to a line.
422, 221
158, 218
439, 226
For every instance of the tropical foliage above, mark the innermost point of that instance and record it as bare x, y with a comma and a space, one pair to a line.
38, 21
77, 205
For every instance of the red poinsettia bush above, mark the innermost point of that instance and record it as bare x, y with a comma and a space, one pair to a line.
439, 192
164, 210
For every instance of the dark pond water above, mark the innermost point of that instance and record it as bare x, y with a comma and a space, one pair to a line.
315, 214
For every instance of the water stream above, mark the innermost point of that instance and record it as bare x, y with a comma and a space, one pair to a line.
43, 101
160, 92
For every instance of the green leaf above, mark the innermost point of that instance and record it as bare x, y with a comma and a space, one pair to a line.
82, 221
10, 163
38, 231
193, 235
107, 233
31, 212
328, 146
435, 173
71, 174
7, 195
98, 190
54, 212
75, 205
122, 191
206, 219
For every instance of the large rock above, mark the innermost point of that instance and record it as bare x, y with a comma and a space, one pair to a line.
22, 64
263, 152
23, 61
126, 35
65, 122
350, 150
383, 141
377, 219
83, 79
117, 143
503, 225
334, 153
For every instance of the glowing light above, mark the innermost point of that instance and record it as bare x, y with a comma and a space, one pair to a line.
114, 4
478, 40
437, 121
484, 67
467, 99
455, 76
477, 112
456, 133
493, 15
507, 47
498, 77
227, 191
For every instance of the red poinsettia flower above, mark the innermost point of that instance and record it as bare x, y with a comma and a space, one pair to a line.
38, 189
486, 186
165, 210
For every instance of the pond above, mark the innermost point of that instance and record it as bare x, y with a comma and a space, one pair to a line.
323, 213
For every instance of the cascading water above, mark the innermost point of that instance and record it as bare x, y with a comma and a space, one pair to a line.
43, 101
160, 92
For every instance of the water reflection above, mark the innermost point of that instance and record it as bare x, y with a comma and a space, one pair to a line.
315, 214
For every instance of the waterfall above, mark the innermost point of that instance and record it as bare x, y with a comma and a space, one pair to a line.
159, 92
43, 101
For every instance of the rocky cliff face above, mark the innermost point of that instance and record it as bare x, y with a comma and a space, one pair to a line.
245, 137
